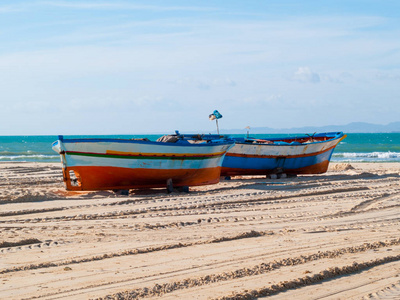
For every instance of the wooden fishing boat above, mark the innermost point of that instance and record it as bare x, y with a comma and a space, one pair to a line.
119, 164
308, 154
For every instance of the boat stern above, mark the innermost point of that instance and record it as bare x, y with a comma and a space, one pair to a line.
57, 145
71, 177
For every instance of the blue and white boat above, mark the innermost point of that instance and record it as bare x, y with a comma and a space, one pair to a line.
306, 154
106, 164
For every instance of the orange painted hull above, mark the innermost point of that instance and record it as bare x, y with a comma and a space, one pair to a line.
108, 178
115, 164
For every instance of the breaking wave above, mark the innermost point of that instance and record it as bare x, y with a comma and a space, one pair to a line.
28, 158
367, 157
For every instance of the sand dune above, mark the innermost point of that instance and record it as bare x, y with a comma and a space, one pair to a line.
329, 236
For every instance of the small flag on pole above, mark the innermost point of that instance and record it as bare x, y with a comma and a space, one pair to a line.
215, 116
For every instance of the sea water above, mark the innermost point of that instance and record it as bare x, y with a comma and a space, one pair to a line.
357, 147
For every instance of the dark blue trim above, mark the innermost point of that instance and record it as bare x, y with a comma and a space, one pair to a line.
332, 135
123, 141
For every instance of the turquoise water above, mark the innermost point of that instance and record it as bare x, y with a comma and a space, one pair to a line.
357, 147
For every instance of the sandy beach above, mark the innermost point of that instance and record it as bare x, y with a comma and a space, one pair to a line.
329, 236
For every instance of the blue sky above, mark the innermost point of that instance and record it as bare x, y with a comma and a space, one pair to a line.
114, 67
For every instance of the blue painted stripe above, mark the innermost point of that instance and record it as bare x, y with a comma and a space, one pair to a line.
272, 163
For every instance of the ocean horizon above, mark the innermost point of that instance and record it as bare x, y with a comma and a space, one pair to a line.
357, 147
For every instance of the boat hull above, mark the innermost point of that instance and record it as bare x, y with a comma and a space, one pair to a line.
264, 159
101, 164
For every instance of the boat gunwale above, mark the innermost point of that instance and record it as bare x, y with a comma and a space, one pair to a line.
339, 135
128, 141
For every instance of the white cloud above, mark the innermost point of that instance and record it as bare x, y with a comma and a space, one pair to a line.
104, 5
107, 5
12, 8
342, 77
304, 74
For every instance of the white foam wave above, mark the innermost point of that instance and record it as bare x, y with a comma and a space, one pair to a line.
369, 154
29, 157
367, 157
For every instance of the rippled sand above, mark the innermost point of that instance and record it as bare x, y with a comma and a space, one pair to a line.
330, 236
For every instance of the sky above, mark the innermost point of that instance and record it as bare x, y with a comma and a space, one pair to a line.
131, 67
